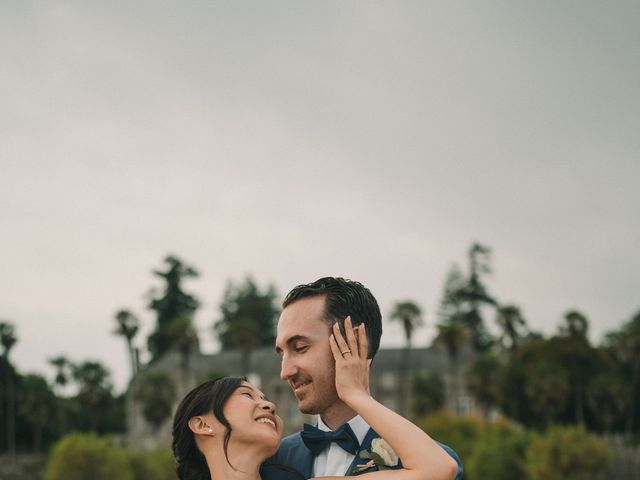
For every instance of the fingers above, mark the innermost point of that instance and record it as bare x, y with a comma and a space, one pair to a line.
356, 341
337, 336
335, 349
352, 342
363, 342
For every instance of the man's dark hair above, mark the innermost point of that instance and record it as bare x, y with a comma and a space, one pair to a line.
343, 298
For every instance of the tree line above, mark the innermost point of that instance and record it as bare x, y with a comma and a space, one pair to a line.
535, 380
35, 411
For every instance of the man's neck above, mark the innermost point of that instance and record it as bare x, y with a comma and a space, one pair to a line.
337, 415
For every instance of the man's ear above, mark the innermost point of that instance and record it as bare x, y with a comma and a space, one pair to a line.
199, 426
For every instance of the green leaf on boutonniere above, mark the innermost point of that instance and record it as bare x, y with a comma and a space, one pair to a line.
364, 455
378, 459
361, 468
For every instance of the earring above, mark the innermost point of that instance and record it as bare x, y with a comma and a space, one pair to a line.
210, 430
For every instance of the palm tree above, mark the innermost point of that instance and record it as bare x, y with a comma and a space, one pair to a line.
36, 406
627, 343
94, 392
61, 379
452, 337
409, 315
579, 357
62, 366
8, 339
575, 325
512, 324
128, 326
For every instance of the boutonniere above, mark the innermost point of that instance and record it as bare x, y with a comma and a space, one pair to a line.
381, 457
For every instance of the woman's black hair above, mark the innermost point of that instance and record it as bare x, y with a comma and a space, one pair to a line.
208, 397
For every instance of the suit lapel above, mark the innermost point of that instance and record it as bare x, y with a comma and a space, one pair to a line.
294, 454
301, 458
366, 445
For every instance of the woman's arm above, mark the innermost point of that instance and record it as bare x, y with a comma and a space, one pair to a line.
422, 458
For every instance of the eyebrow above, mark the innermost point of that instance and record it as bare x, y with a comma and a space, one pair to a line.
292, 340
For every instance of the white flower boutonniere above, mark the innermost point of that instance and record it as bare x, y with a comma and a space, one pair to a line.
381, 457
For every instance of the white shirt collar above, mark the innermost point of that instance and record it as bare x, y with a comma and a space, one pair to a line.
357, 424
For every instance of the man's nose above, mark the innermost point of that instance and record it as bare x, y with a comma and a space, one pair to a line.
287, 369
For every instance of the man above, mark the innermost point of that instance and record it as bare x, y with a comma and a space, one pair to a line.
307, 364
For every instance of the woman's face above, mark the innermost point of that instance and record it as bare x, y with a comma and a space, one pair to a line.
253, 418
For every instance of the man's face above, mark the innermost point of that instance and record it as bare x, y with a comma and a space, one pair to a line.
307, 363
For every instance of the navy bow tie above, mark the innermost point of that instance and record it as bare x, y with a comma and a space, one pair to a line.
317, 440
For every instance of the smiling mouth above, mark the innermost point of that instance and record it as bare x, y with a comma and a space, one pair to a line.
268, 421
299, 386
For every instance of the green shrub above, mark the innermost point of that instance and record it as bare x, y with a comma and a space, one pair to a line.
568, 453
460, 433
157, 464
87, 457
499, 453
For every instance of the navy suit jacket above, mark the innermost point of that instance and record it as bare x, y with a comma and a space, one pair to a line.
294, 461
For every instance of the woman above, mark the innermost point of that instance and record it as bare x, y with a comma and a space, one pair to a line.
226, 428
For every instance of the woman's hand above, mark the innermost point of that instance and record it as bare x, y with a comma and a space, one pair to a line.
352, 365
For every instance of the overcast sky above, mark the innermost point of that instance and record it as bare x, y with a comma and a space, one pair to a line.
293, 140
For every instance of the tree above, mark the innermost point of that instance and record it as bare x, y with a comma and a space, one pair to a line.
247, 319
451, 304
409, 315
575, 325
63, 367
526, 366
94, 390
483, 381
465, 296
428, 390
36, 406
185, 341
8, 339
513, 326
475, 295
157, 393
626, 344
172, 304
452, 337
61, 379
547, 390
545, 381
578, 355
128, 326
608, 399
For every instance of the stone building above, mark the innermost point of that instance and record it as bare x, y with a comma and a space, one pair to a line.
390, 374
